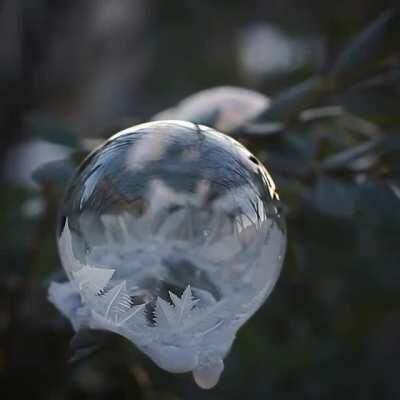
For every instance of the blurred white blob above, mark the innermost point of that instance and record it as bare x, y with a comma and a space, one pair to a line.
26, 157
264, 49
228, 106
34, 207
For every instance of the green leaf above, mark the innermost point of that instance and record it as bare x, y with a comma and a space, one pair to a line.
334, 197
54, 173
288, 104
346, 157
377, 148
367, 52
379, 105
49, 129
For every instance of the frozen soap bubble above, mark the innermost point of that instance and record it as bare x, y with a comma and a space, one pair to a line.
171, 236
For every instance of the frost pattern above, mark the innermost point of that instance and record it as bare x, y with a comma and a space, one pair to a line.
114, 307
175, 316
185, 335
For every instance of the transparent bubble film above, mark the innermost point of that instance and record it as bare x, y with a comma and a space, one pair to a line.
171, 236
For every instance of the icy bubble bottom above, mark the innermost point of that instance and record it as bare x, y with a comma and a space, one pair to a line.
188, 331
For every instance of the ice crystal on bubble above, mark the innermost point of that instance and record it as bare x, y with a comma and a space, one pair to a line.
171, 236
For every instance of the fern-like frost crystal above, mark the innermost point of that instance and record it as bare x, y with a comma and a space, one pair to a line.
171, 236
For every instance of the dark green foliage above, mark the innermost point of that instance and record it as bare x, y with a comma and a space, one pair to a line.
368, 52
289, 103
45, 128
331, 139
54, 173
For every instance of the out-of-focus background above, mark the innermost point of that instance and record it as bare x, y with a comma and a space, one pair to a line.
72, 72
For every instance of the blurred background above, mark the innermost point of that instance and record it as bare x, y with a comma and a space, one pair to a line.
73, 72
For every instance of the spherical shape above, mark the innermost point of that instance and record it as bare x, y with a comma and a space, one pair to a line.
173, 236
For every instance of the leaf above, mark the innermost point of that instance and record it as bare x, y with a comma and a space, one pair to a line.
258, 130
295, 166
368, 50
86, 342
48, 129
289, 103
364, 55
376, 104
346, 157
54, 173
373, 149
379, 208
334, 198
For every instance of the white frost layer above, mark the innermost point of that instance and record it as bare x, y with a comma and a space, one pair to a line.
183, 335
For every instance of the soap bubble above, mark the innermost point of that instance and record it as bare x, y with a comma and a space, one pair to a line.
171, 235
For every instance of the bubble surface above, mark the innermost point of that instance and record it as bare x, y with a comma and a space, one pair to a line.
172, 235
